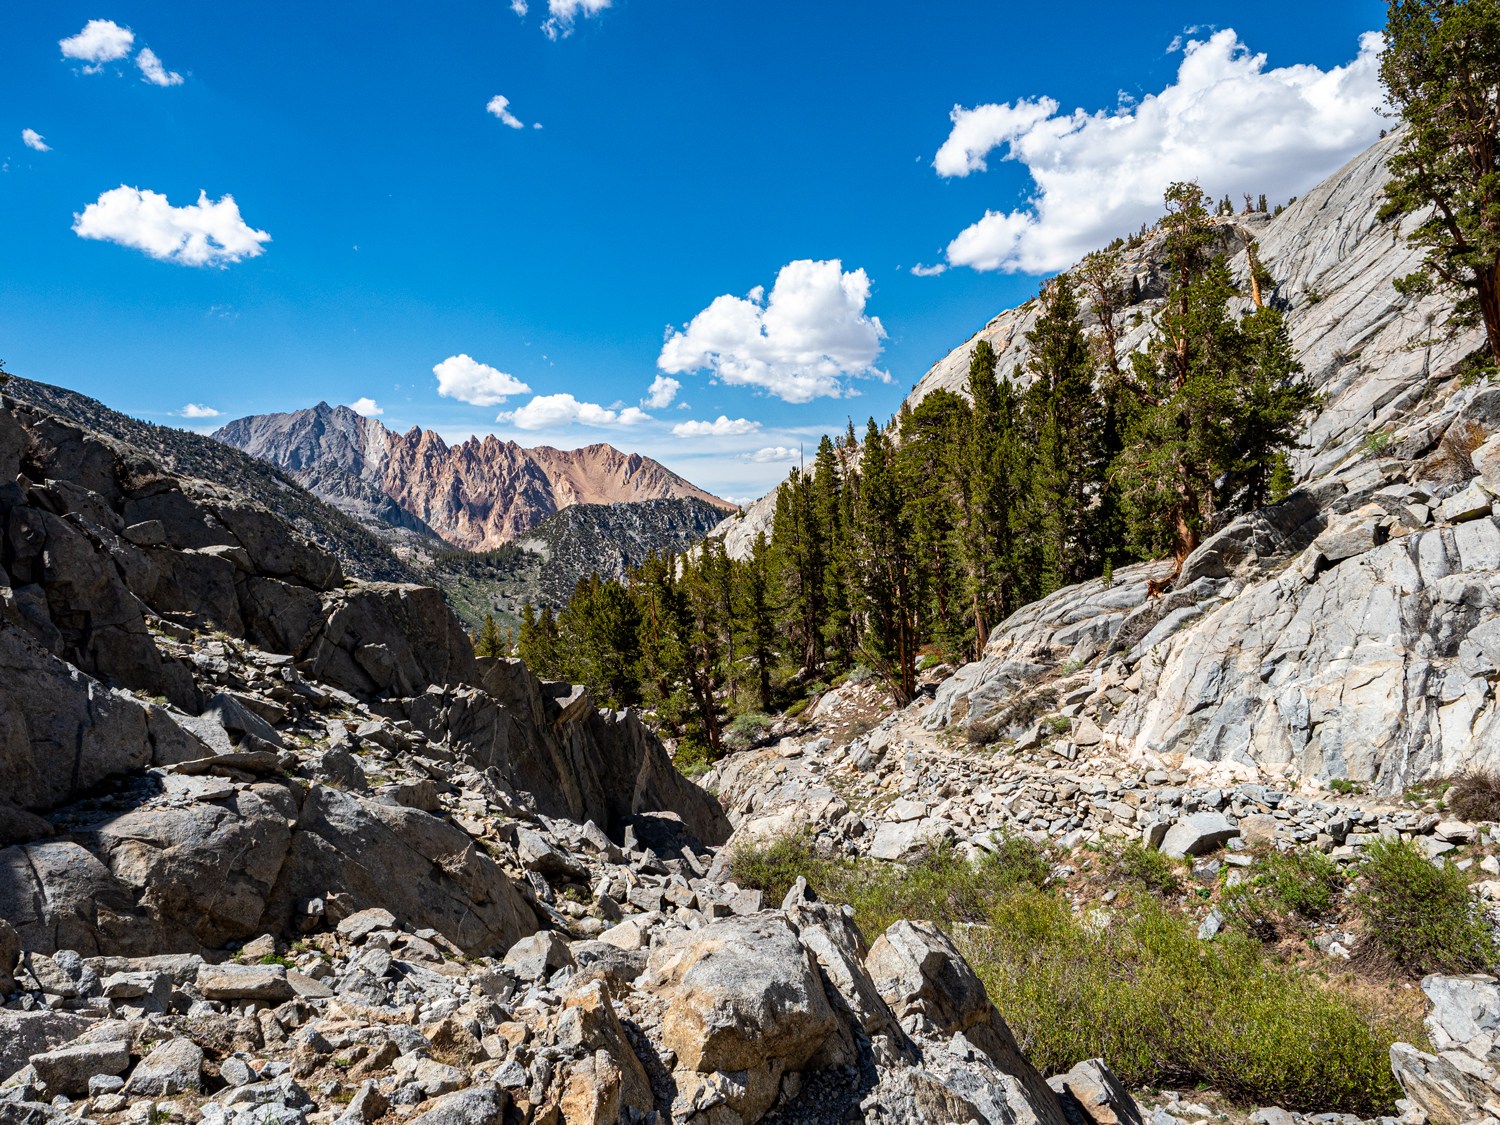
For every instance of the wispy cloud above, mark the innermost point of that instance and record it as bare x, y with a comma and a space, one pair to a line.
771, 455
549, 412
499, 106
722, 426
152, 70
562, 14
33, 140
207, 233
198, 410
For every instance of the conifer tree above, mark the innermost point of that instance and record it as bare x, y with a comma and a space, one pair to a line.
599, 631
488, 643
1218, 395
831, 515
883, 538
1064, 421
1441, 70
759, 624
930, 469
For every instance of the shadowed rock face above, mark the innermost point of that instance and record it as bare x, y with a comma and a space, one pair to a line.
209, 680
476, 495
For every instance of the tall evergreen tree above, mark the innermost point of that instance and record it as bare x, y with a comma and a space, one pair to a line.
1065, 420
1441, 70
883, 538
488, 643
831, 513
1218, 395
930, 466
759, 622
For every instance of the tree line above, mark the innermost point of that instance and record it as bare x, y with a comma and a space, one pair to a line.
917, 540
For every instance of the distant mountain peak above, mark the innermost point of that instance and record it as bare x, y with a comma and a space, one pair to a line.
478, 494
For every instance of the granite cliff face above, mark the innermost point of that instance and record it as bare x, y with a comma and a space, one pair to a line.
476, 495
1344, 633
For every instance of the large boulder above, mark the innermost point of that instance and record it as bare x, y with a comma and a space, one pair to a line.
937, 996
742, 995
422, 868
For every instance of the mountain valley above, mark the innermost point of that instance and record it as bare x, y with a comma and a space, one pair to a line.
1193, 839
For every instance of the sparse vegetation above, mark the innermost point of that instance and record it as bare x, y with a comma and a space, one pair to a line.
1147, 868
1418, 916
1131, 983
1284, 891
1343, 786
1475, 795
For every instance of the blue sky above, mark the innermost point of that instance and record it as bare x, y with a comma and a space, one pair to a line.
391, 217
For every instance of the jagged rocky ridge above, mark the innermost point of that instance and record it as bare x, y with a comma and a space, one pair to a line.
275, 847
476, 495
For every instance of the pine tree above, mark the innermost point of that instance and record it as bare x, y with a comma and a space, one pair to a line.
797, 553
488, 643
930, 468
1064, 420
831, 514
599, 632
883, 538
759, 624
1217, 396
1441, 69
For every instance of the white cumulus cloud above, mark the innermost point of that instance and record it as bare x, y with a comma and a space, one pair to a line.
519, 7
153, 71
198, 410
207, 233
799, 343
919, 270
99, 42
662, 391
366, 407
721, 426
32, 139
772, 455
499, 106
548, 412
476, 383
1227, 121
562, 14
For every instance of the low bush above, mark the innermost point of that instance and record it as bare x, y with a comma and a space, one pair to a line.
747, 729
1131, 984
1284, 890
1475, 795
1166, 1009
1418, 916
1145, 867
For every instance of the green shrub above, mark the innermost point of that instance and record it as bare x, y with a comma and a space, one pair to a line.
1418, 915
1344, 786
1146, 867
1168, 1010
1284, 889
747, 729
774, 866
1131, 984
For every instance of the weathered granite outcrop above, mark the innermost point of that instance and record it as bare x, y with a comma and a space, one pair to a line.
184, 685
1344, 633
